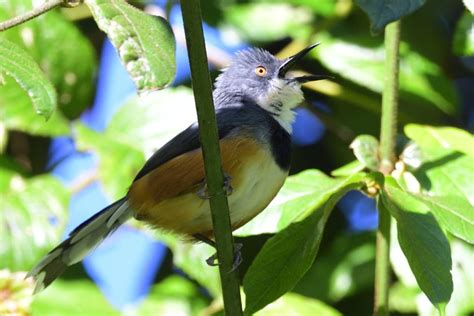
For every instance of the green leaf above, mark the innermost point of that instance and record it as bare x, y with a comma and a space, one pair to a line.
269, 21
448, 167
40, 38
32, 218
463, 42
348, 169
297, 305
382, 12
16, 63
285, 258
300, 196
16, 114
145, 43
423, 243
421, 81
69, 298
366, 150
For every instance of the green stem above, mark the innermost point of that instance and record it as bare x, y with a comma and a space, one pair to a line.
388, 133
201, 82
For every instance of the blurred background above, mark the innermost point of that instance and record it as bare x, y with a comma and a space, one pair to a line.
55, 175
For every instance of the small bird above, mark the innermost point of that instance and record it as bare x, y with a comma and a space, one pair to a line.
254, 100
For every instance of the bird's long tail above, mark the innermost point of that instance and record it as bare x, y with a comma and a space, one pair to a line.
80, 242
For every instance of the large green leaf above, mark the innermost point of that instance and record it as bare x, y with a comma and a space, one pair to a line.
423, 243
297, 305
145, 43
382, 12
32, 217
299, 196
15, 62
421, 81
58, 47
286, 257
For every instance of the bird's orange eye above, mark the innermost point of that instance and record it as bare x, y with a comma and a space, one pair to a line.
260, 71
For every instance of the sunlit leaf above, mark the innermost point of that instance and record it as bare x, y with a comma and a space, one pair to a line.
70, 297
286, 257
420, 79
269, 21
469, 5
58, 46
463, 42
448, 167
348, 169
366, 150
423, 243
32, 217
299, 196
145, 43
297, 305
15, 62
382, 12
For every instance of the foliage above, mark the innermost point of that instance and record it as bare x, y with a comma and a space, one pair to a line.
47, 66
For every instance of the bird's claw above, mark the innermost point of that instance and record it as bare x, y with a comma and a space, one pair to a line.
203, 194
212, 260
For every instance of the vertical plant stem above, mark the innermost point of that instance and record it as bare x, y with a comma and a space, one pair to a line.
201, 82
388, 132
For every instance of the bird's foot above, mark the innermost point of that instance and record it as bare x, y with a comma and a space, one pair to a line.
203, 193
212, 260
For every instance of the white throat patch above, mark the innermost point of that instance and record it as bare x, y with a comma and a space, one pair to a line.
280, 101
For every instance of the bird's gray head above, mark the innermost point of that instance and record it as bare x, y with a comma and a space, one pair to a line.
259, 77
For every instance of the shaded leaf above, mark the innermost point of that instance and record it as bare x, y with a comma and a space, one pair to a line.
74, 85
382, 12
145, 43
297, 305
286, 257
366, 150
421, 81
33, 217
300, 195
15, 62
463, 42
423, 243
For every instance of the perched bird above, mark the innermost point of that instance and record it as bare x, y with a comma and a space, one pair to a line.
254, 100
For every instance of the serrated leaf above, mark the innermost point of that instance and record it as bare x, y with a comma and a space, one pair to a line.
40, 37
300, 195
33, 214
145, 43
366, 150
285, 258
15, 62
382, 12
423, 243
463, 42
419, 77
448, 167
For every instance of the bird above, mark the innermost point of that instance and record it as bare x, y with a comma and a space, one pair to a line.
255, 98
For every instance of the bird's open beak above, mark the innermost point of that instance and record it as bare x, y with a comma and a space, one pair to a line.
287, 64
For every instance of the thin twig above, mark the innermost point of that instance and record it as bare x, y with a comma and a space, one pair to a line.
45, 7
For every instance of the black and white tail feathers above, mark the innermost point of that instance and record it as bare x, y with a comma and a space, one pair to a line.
80, 242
